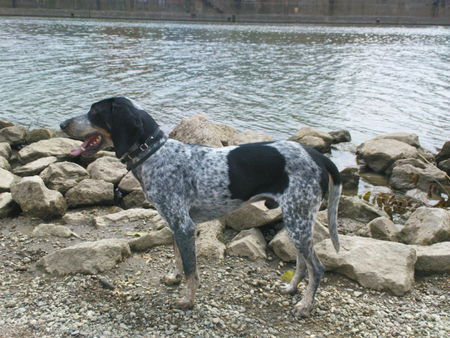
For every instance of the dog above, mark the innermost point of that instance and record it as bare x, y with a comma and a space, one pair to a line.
189, 184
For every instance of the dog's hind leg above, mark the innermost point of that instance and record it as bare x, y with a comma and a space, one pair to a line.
299, 222
315, 272
300, 273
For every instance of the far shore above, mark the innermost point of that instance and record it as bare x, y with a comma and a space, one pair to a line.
227, 17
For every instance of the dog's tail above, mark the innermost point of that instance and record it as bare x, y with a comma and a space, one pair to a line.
334, 193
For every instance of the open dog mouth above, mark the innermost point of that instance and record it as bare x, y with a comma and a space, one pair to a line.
89, 146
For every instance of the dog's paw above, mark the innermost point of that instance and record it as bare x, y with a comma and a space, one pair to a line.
171, 279
288, 289
185, 303
303, 309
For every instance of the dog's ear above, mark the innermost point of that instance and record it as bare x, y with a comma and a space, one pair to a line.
126, 127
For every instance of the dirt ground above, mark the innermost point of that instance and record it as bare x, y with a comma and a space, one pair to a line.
237, 298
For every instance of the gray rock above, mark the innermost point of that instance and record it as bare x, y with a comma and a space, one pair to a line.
426, 226
136, 199
154, 238
346, 225
7, 205
416, 162
4, 124
433, 258
444, 153
108, 169
35, 199
375, 264
5, 150
197, 129
129, 183
86, 160
445, 166
285, 249
340, 136
252, 215
62, 176
39, 134
379, 154
350, 179
6, 180
78, 218
249, 137
14, 135
46, 230
248, 243
132, 215
419, 195
408, 138
412, 173
34, 167
209, 236
383, 228
86, 216
317, 139
90, 192
4, 164
58, 147
359, 210
86, 257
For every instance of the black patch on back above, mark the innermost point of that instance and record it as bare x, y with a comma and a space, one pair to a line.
326, 167
254, 169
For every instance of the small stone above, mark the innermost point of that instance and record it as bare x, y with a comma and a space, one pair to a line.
248, 243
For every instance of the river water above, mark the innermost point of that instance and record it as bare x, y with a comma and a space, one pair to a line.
275, 78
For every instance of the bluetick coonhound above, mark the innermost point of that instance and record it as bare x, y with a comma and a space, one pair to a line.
191, 183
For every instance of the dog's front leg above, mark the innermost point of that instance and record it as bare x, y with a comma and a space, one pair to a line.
172, 208
184, 237
175, 276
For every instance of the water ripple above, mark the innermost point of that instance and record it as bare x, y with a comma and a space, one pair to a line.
275, 78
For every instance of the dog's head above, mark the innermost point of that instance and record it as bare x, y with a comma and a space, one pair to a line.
116, 121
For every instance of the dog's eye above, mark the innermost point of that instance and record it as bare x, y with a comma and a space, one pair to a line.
91, 113
98, 119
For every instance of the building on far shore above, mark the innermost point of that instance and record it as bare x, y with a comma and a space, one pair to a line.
301, 11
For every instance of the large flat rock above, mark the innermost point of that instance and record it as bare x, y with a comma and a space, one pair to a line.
375, 264
58, 147
150, 216
86, 257
379, 154
433, 258
426, 226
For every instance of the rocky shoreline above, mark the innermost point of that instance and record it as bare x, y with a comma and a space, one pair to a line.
78, 237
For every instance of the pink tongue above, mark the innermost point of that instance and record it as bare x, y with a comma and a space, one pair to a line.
79, 150
76, 151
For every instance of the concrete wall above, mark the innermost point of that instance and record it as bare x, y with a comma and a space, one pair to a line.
342, 11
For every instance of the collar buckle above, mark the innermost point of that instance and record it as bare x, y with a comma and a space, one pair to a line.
143, 147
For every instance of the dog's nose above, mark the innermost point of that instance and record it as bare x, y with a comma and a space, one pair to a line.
64, 124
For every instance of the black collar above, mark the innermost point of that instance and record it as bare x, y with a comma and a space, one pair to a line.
139, 153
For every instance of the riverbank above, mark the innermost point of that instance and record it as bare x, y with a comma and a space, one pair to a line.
115, 290
83, 254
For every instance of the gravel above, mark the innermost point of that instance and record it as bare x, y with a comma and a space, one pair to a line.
237, 298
